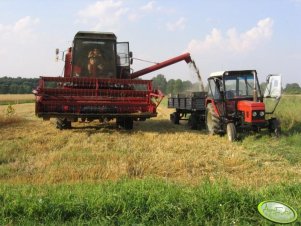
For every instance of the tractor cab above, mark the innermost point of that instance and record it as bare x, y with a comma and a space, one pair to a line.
227, 88
96, 54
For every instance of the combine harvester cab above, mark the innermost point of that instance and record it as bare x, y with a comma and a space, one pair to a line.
234, 103
98, 84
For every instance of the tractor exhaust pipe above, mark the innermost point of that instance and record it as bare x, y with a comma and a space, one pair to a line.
255, 97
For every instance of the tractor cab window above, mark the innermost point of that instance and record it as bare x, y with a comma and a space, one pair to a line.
94, 58
239, 86
214, 88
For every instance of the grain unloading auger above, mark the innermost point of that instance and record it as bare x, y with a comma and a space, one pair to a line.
98, 84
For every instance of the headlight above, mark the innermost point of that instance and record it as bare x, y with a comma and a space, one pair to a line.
261, 113
254, 113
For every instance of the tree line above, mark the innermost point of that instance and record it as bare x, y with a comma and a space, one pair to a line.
20, 85
173, 86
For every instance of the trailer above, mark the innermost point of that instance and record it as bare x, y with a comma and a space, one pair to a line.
191, 105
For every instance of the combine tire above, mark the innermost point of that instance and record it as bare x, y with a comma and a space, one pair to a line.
212, 120
231, 132
175, 118
63, 123
126, 123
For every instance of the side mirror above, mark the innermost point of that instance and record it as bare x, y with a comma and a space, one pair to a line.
57, 51
273, 89
131, 54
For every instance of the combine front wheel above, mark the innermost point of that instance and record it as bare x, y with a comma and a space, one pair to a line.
63, 123
126, 123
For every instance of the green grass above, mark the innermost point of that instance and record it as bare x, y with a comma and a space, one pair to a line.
139, 202
288, 146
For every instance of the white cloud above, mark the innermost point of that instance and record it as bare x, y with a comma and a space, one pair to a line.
150, 6
21, 31
103, 15
233, 41
180, 24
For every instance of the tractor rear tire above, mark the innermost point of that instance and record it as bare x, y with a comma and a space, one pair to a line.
231, 132
212, 120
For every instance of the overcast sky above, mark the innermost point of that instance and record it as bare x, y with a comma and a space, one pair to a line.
220, 35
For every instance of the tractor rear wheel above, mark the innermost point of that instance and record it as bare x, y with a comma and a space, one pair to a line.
212, 120
231, 132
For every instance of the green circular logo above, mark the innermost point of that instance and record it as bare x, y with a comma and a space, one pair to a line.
277, 212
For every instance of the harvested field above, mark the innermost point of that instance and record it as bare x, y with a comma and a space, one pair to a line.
34, 151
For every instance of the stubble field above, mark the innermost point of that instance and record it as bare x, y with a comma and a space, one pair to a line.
159, 173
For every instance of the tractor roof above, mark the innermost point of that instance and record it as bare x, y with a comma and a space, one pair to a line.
222, 73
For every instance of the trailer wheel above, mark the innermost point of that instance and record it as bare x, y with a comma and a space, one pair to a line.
63, 123
231, 132
212, 120
193, 121
175, 118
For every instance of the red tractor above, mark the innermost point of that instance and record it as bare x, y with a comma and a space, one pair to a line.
98, 84
233, 103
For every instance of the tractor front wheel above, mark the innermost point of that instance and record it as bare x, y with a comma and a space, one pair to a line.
274, 127
231, 132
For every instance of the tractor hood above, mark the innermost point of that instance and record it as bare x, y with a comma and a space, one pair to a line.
250, 105
254, 112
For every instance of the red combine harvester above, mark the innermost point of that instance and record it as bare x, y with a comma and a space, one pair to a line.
98, 84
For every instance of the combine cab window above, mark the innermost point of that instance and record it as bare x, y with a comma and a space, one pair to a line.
94, 58
123, 54
239, 86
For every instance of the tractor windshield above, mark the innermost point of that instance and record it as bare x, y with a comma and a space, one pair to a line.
94, 58
239, 86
